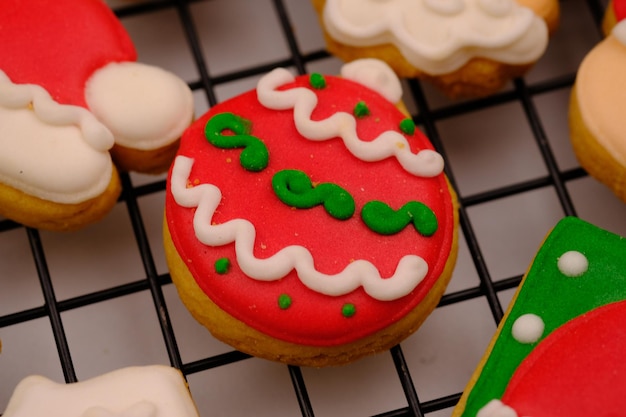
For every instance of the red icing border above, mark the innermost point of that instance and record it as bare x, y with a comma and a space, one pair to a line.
312, 319
60, 44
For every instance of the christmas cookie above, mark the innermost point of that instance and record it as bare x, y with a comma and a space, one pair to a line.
73, 101
309, 221
142, 391
559, 349
595, 114
465, 47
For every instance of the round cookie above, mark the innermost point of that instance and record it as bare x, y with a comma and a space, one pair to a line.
72, 95
308, 221
559, 349
439, 40
595, 112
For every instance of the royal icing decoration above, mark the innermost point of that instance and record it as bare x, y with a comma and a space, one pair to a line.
54, 151
566, 358
144, 391
320, 225
440, 36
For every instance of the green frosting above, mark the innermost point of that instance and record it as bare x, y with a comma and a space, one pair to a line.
382, 219
294, 188
407, 126
222, 266
254, 156
348, 310
317, 81
284, 301
361, 109
555, 297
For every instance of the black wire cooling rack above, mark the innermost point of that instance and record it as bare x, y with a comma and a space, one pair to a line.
434, 114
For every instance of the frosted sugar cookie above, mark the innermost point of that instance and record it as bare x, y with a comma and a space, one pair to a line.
465, 47
615, 12
72, 95
140, 391
309, 221
559, 349
596, 111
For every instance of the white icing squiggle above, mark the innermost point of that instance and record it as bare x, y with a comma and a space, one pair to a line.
410, 271
52, 151
440, 36
426, 163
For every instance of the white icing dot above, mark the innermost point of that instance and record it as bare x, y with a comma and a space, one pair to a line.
573, 264
528, 328
619, 31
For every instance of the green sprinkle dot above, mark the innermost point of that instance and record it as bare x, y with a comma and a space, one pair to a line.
407, 126
284, 301
348, 310
317, 81
361, 109
222, 265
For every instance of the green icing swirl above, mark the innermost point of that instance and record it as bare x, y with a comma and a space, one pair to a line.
294, 188
383, 219
254, 156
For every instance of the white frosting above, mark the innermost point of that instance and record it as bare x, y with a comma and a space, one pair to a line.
376, 75
573, 264
410, 271
49, 150
440, 36
619, 31
425, 163
147, 391
145, 107
528, 328
496, 408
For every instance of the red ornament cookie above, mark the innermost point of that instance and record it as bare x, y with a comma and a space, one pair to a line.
308, 221
72, 94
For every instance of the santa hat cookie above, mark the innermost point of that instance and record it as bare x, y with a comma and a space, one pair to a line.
72, 94
596, 111
140, 391
309, 221
559, 349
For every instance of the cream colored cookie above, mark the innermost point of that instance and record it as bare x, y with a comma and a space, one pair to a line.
448, 51
596, 112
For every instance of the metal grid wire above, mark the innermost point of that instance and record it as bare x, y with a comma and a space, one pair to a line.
522, 92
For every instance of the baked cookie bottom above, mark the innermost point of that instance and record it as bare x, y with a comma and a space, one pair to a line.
596, 160
244, 338
48, 215
155, 161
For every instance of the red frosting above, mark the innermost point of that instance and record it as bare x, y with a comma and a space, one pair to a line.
313, 318
58, 44
619, 7
577, 371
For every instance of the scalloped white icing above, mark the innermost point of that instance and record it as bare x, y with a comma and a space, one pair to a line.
440, 36
49, 150
139, 391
